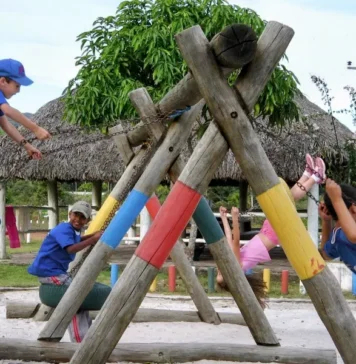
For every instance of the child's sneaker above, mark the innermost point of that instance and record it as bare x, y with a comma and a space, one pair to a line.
320, 170
310, 167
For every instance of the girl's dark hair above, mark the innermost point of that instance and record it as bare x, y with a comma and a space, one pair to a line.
348, 195
258, 287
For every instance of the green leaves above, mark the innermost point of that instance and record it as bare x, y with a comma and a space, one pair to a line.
136, 48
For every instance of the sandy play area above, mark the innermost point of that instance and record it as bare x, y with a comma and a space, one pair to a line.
296, 324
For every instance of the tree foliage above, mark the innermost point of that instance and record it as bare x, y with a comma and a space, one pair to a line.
136, 48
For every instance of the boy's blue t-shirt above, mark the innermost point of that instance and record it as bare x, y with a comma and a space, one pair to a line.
339, 246
53, 258
2, 101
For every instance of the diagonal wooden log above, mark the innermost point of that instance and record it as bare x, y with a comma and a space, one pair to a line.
91, 349
162, 160
297, 244
235, 45
14, 349
194, 288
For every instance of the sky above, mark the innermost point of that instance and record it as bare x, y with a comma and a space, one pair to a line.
42, 35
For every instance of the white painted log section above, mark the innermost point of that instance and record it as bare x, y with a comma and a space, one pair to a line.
3, 254
145, 222
194, 288
248, 151
53, 214
26, 310
15, 349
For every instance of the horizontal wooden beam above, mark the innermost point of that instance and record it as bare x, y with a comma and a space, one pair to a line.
14, 349
25, 310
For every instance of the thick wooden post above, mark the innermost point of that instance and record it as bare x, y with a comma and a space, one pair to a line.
53, 215
150, 179
234, 51
271, 194
195, 289
14, 349
2, 221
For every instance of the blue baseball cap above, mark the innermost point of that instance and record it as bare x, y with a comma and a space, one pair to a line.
14, 70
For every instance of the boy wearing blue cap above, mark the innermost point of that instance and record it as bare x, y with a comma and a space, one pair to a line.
12, 77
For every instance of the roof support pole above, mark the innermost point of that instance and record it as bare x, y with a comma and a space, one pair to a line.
53, 215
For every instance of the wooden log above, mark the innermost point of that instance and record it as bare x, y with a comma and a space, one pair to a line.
122, 143
14, 349
235, 46
76, 293
244, 143
197, 174
148, 182
127, 181
117, 312
195, 289
26, 310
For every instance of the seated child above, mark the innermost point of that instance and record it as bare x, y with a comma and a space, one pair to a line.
58, 250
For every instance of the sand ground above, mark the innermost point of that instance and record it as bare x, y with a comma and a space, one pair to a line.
295, 324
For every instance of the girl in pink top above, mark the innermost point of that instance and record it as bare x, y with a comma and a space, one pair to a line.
257, 249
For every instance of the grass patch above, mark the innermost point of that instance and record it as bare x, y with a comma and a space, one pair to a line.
32, 247
12, 275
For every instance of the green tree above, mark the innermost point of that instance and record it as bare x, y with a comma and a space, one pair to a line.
136, 48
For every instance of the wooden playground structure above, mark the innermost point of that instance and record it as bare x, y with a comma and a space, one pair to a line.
159, 154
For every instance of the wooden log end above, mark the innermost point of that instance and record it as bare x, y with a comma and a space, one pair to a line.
235, 45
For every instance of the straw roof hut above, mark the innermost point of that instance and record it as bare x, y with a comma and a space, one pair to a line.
96, 161
100, 160
286, 148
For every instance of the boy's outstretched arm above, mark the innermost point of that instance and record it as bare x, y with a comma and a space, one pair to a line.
15, 135
24, 121
90, 240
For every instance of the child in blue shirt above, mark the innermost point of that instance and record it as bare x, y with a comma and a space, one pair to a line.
339, 241
58, 250
12, 77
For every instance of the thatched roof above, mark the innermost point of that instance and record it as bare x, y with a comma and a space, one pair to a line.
101, 160
286, 149
89, 162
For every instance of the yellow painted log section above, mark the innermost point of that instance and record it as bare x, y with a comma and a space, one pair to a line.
104, 215
293, 236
